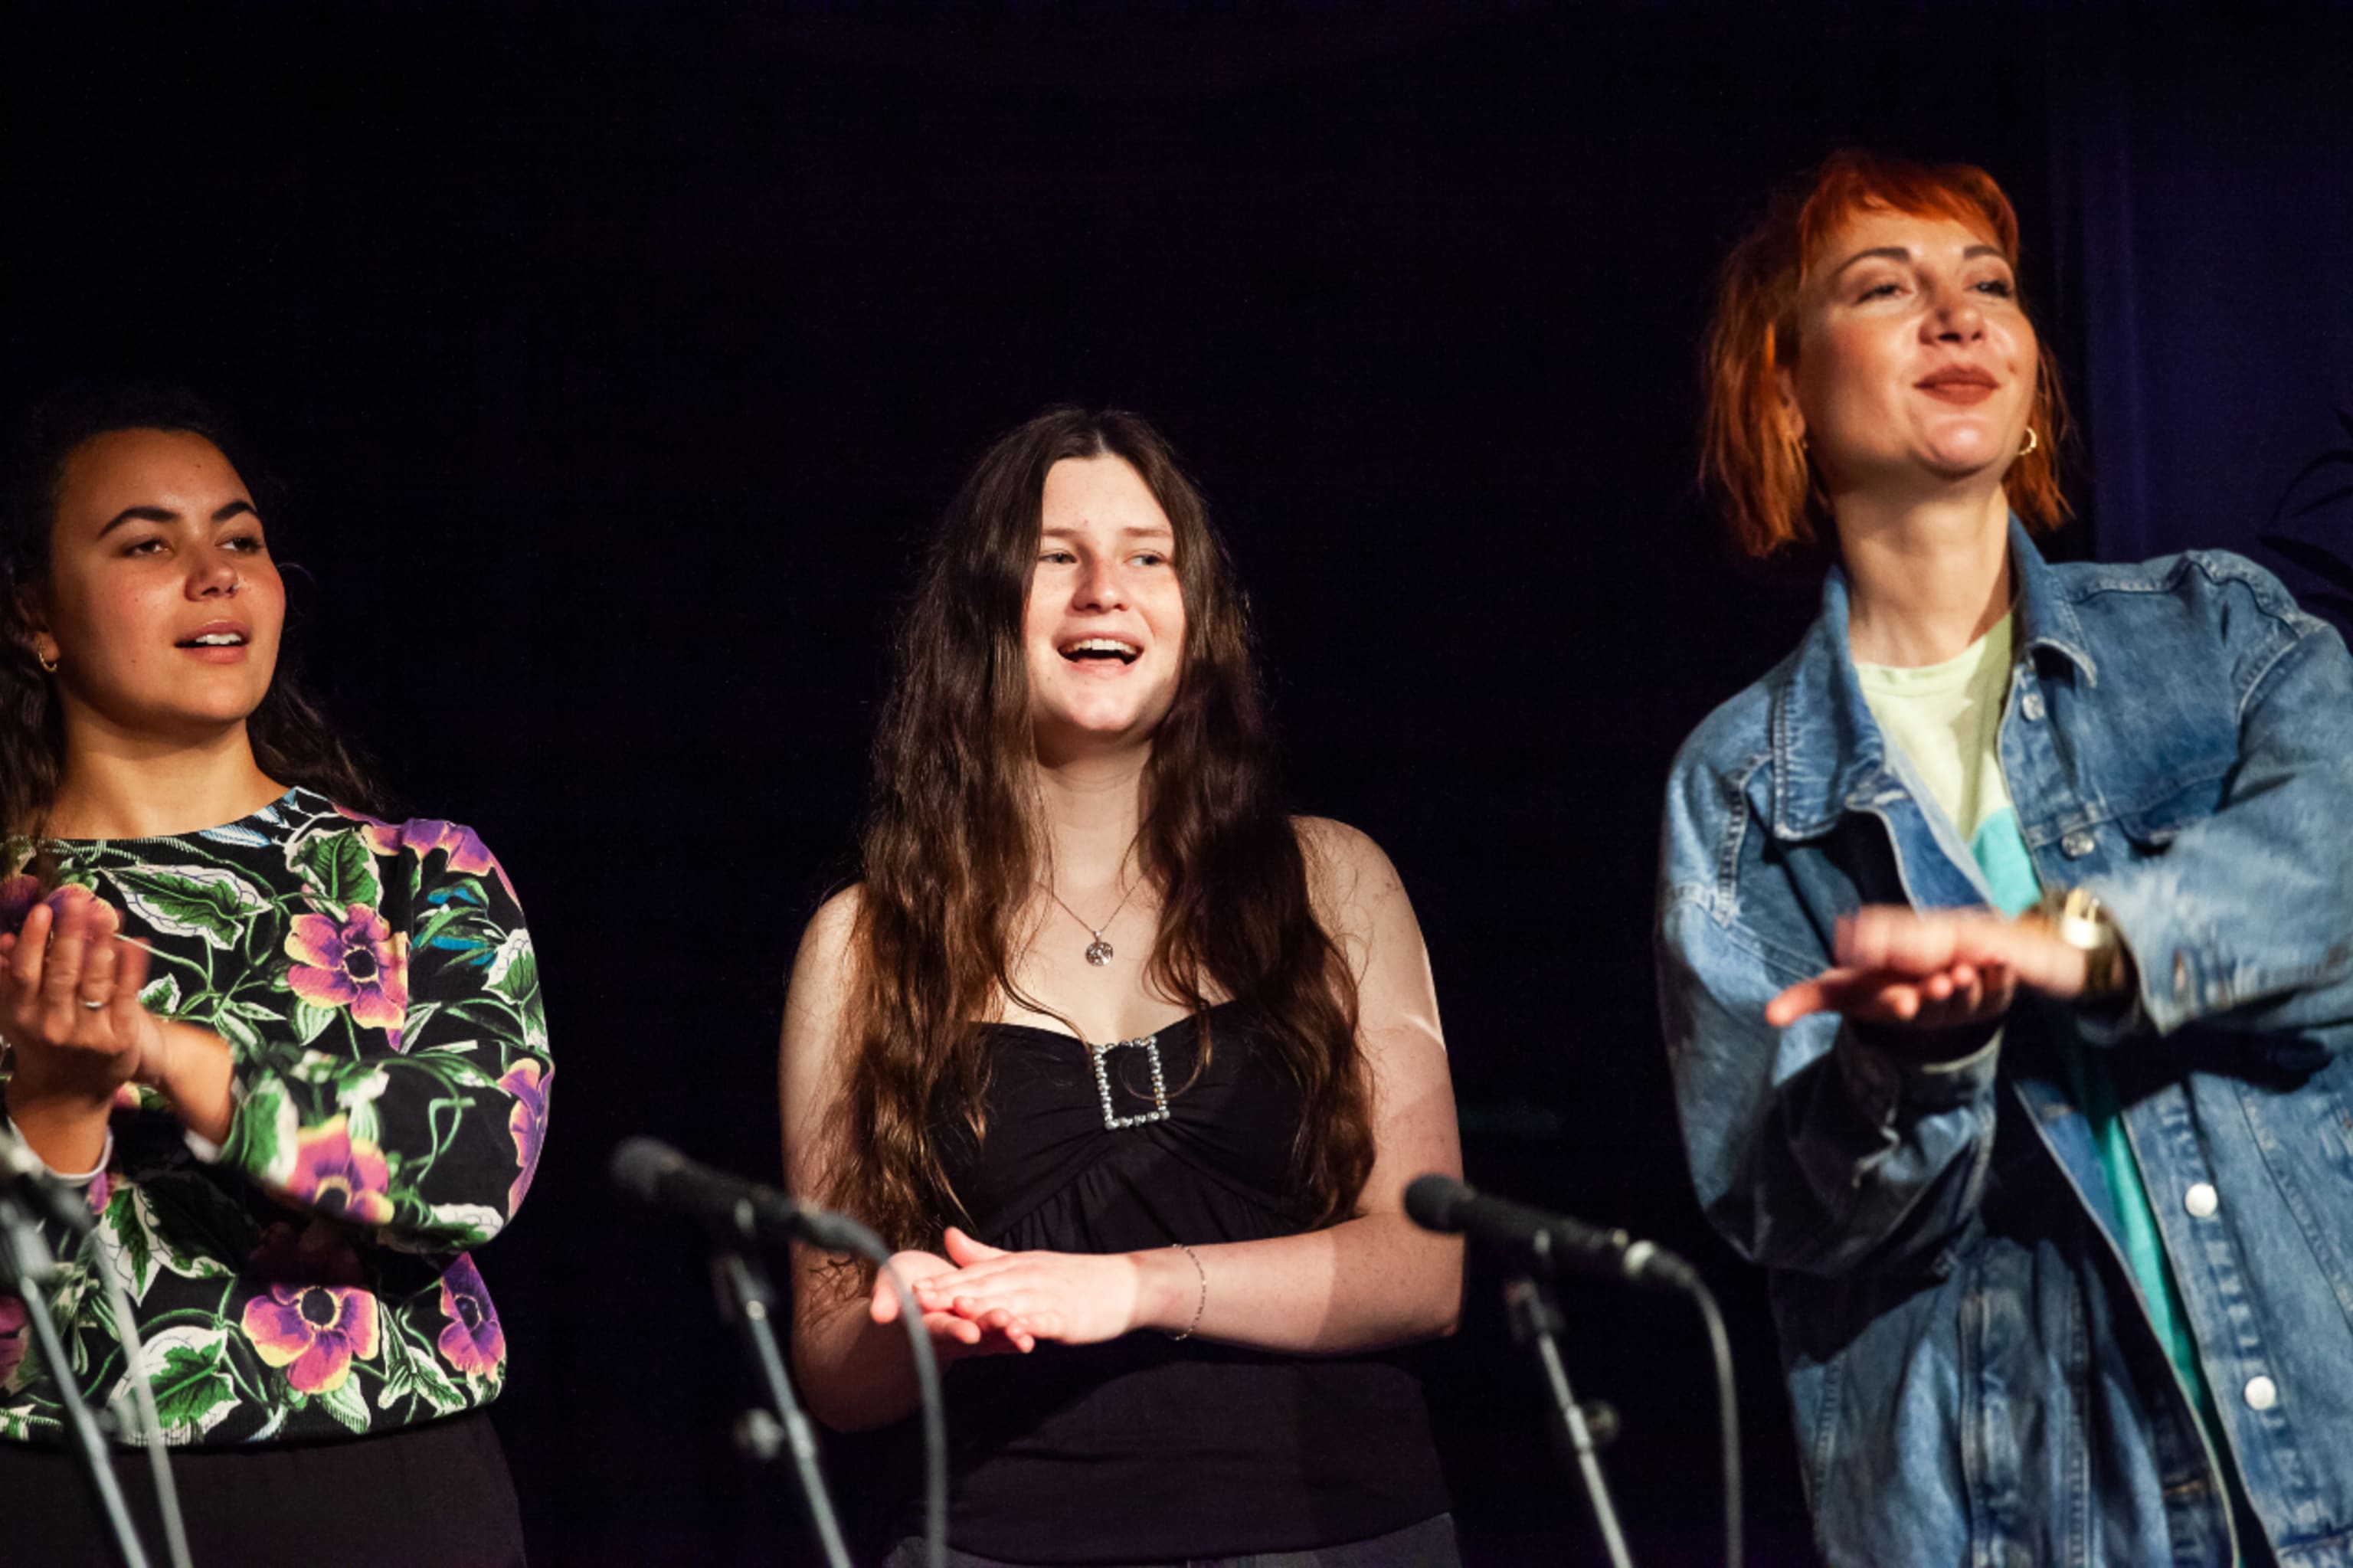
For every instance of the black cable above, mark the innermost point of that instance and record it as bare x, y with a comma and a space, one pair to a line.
1728, 1409
935, 1418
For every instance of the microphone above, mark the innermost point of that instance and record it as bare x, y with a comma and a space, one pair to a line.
1544, 1242
655, 1174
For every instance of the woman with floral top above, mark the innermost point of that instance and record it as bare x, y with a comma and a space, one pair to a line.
294, 1054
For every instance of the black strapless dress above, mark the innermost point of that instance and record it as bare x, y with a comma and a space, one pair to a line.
1147, 1448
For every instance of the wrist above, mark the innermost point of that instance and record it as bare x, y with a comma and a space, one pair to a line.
68, 1132
58, 1084
1165, 1290
192, 1069
2079, 922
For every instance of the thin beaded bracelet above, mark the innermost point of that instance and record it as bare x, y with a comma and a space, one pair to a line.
1202, 1305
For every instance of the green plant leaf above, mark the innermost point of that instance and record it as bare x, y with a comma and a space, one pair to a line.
337, 868
135, 1249
191, 1385
347, 1405
207, 901
514, 972
262, 1138
161, 996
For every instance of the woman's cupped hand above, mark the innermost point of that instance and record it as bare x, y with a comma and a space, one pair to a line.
983, 1299
1932, 968
70, 985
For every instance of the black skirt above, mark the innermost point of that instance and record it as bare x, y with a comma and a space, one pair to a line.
430, 1497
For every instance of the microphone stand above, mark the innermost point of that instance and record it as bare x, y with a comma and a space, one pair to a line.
747, 1300
1536, 1318
26, 1264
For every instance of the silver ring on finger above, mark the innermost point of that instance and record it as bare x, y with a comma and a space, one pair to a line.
99, 1006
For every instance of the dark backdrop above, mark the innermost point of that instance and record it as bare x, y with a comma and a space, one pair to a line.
611, 366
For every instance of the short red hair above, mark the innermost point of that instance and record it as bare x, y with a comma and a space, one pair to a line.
1766, 483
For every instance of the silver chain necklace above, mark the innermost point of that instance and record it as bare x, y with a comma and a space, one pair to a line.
1099, 952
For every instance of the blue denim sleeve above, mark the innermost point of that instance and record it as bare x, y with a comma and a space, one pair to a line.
2245, 920
1811, 1149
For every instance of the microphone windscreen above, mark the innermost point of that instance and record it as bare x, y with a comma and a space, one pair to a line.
1435, 1203
640, 1165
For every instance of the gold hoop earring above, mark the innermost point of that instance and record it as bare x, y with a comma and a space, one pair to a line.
48, 665
2032, 441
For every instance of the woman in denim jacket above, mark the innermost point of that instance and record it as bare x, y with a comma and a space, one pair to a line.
2005, 945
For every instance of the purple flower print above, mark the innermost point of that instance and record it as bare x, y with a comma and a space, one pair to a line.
340, 1176
527, 1082
473, 1342
18, 894
423, 836
313, 1331
359, 962
12, 1337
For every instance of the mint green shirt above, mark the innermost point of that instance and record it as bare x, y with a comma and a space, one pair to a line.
1946, 720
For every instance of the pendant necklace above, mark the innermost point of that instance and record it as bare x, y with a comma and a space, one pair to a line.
1099, 952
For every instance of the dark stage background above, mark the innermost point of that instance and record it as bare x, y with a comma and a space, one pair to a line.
612, 364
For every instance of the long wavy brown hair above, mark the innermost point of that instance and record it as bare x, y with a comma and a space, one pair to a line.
291, 739
954, 847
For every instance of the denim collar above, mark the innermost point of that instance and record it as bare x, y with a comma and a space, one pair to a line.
1827, 757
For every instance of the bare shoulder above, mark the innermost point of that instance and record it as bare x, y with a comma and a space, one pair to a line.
821, 970
829, 929
1348, 875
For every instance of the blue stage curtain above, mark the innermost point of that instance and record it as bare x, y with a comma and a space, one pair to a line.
2202, 189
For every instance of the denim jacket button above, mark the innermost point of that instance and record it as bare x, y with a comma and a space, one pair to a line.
2075, 845
2031, 705
2261, 1393
2201, 1201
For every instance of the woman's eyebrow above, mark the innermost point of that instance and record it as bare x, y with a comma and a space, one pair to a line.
1898, 253
139, 515
240, 507
1133, 530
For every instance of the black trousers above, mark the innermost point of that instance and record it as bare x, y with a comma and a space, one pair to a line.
430, 1497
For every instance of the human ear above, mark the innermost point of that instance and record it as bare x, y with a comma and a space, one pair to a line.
1793, 418
33, 627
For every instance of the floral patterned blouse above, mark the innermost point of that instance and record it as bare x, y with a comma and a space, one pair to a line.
309, 1277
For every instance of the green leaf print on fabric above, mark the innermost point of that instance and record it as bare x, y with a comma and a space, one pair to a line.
411, 1374
135, 1246
261, 1139
514, 972
211, 902
193, 1388
347, 1405
381, 999
338, 870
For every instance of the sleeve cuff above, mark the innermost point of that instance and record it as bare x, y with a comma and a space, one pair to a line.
70, 1178
1881, 1080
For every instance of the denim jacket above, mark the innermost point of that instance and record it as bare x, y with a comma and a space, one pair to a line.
1971, 1365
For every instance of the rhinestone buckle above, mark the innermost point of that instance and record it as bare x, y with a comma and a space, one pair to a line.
1150, 1044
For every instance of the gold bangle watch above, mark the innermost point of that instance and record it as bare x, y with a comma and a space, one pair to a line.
2082, 922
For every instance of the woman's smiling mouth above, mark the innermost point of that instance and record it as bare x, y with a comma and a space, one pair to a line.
1087, 648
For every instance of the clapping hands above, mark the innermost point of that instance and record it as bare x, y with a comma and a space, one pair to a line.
69, 1004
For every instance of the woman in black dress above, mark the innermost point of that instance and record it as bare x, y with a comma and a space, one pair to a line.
1132, 1067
